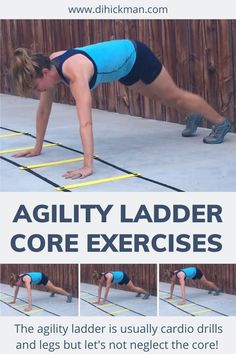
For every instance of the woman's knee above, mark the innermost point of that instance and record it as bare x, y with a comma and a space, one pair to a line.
175, 98
50, 286
183, 99
130, 285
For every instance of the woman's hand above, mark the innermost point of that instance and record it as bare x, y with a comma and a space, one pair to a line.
28, 308
79, 173
27, 153
182, 302
96, 302
103, 302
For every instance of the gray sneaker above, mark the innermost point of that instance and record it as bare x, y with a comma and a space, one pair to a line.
69, 298
214, 292
218, 133
217, 292
192, 123
146, 296
139, 294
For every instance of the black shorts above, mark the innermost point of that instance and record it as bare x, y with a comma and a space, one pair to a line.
146, 67
199, 274
44, 279
125, 280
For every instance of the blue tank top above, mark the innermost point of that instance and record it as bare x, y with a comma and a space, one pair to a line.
190, 272
117, 277
112, 60
36, 277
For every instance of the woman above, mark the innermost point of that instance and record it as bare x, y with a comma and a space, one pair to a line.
83, 69
34, 278
117, 277
193, 273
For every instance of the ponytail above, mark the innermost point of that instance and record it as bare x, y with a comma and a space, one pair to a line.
96, 275
168, 274
26, 67
13, 279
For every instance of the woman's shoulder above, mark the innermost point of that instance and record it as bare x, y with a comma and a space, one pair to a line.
108, 274
56, 54
25, 276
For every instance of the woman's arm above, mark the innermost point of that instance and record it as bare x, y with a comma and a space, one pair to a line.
99, 294
171, 289
182, 286
15, 294
42, 117
81, 92
109, 278
108, 286
79, 70
29, 295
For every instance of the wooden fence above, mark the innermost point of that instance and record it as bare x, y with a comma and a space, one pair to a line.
199, 54
62, 275
223, 275
142, 275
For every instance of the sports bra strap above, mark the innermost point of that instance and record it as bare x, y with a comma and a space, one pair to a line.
59, 61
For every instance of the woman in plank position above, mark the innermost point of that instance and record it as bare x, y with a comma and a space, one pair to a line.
189, 273
34, 278
128, 61
108, 278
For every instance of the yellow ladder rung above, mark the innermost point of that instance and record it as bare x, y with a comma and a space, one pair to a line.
172, 301
26, 148
33, 311
105, 305
11, 135
201, 311
185, 305
115, 312
53, 163
19, 305
98, 181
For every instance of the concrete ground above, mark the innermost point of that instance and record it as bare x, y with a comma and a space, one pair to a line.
154, 149
120, 303
43, 304
199, 303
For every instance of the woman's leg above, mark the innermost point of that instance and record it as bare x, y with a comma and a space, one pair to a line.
165, 90
137, 289
208, 284
54, 289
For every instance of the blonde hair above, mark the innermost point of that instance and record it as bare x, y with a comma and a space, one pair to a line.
26, 67
168, 274
13, 279
96, 275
